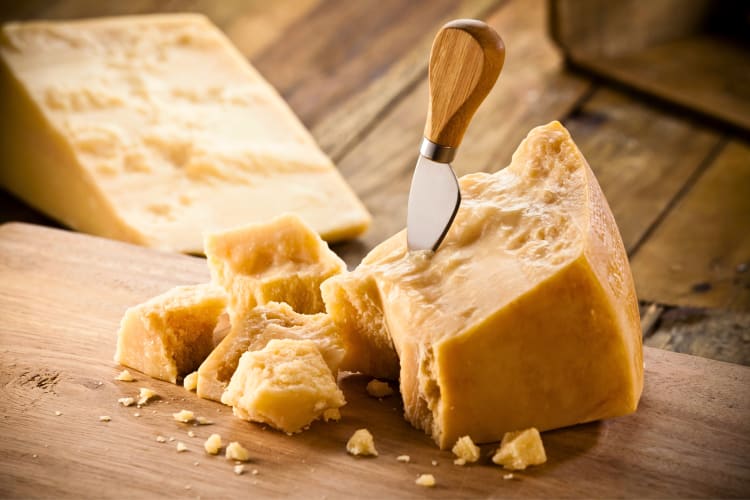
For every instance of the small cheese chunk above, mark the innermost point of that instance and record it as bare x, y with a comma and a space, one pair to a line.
404, 458
361, 444
126, 401
286, 385
282, 260
466, 450
520, 449
239, 469
460, 461
427, 480
144, 395
533, 263
254, 330
154, 129
181, 447
170, 335
191, 381
235, 451
378, 389
161, 439
125, 376
184, 416
212, 444
105, 418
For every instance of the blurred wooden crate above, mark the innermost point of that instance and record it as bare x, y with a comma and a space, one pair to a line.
695, 53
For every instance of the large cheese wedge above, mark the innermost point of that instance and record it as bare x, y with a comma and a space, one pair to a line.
280, 260
526, 316
153, 129
171, 334
254, 330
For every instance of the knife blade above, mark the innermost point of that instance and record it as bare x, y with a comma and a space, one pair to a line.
466, 58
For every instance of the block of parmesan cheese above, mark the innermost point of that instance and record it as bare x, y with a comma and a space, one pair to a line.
526, 316
170, 335
287, 385
281, 260
254, 330
153, 129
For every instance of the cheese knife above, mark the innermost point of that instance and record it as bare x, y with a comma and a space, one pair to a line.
465, 61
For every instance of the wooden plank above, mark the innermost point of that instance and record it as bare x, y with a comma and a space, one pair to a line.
642, 157
380, 166
699, 254
711, 333
60, 313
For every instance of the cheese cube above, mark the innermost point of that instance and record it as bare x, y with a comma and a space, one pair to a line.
281, 260
286, 385
254, 330
525, 316
154, 129
170, 335
520, 449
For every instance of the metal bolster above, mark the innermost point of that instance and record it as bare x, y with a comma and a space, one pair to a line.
436, 152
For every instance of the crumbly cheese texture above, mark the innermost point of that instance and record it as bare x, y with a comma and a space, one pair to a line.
254, 330
525, 316
286, 385
378, 389
212, 445
519, 449
235, 451
153, 129
466, 450
280, 260
170, 335
362, 444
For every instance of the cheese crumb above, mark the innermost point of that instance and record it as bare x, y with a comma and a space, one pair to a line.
361, 444
404, 458
191, 381
104, 418
58, 413
203, 421
332, 414
144, 394
184, 416
378, 389
520, 449
508, 476
239, 469
191, 434
161, 439
235, 451
434, 463
255, 472
466, 449
181, 447
427, 480
126, 401
212, 444
460, 461
125, 376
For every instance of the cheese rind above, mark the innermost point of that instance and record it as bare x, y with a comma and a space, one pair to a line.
170, 335
254, 330
531, 283
115, 133
286, 385
280, 260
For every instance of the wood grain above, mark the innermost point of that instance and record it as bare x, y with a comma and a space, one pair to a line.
465, 61
60, 313
699, 254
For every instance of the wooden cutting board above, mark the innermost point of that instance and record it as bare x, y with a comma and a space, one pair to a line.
63, 294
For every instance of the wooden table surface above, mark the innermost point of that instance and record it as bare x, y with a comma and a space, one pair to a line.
355, 73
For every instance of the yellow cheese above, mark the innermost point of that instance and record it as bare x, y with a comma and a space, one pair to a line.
361, 444
466, 450
153, 129
525, 316
170, 335
281, 260
287, 385
254, 330
520, 449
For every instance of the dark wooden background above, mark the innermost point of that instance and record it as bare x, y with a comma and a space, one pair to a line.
355, 73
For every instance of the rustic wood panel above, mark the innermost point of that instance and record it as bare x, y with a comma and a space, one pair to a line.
642, 157
699, 254
60, 312
380, 166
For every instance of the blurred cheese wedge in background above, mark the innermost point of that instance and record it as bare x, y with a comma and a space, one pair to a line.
526, 316
153, 129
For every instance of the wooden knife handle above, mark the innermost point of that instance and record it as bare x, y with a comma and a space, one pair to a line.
465, 61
